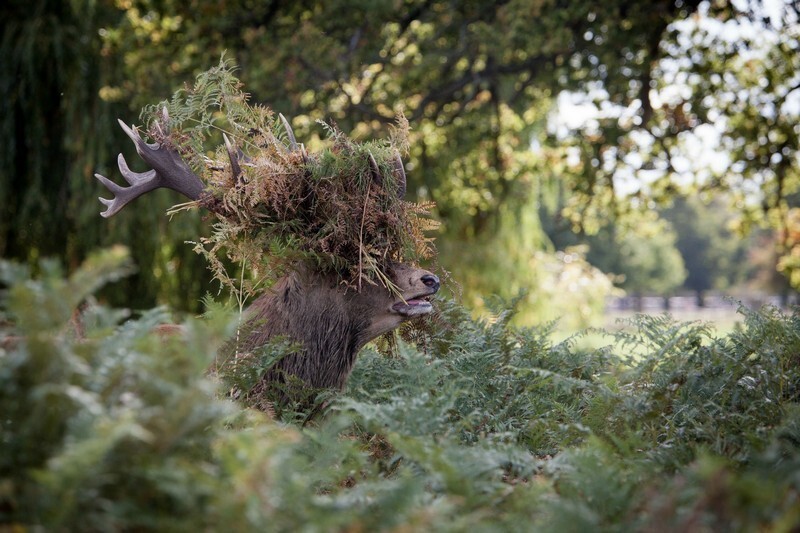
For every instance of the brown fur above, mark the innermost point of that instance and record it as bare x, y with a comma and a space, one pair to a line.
330, 321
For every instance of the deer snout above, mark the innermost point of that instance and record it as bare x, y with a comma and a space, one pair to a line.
418, 286
431, 281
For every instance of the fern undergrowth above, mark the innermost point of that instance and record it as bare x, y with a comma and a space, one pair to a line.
478, 425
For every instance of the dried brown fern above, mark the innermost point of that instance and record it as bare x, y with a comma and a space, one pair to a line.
337, 208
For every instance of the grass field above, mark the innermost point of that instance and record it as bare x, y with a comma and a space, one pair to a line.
722, 320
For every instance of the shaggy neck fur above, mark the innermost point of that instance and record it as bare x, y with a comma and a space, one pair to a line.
331, 324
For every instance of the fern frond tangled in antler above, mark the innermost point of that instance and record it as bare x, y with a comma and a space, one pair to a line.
341, 208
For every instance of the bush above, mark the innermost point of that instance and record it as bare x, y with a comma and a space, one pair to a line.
480, 425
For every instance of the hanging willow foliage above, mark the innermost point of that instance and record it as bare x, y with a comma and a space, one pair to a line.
338, 209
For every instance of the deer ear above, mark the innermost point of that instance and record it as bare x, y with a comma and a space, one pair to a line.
398, 171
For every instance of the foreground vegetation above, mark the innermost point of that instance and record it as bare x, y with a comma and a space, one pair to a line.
478, 426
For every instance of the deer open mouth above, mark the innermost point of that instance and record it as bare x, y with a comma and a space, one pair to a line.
418, 305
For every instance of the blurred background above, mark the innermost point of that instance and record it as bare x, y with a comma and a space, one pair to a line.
591, 159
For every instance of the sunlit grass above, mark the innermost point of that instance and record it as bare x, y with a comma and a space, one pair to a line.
722, 321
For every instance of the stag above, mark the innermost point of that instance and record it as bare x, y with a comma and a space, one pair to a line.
328, 321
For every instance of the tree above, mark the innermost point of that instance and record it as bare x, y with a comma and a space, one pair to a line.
478, 82
715, 257
643, 256
50, 78
715, 109
58, 122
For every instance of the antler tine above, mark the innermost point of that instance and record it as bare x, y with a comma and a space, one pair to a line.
293, 144
398, 171
141, 183
377, 177
168, 170
289, 132
400, 175
163, 125
140, 143
236, 169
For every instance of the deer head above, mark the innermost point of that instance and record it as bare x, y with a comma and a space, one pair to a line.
331, 321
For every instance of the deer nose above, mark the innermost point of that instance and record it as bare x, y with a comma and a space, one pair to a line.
431, 281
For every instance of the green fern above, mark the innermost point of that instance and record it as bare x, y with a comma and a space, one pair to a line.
112, 426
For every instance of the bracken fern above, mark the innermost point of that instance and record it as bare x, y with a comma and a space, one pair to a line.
480, 426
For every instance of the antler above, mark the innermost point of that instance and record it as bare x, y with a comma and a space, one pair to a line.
399, 175
398, 171
293, 144
168, 170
